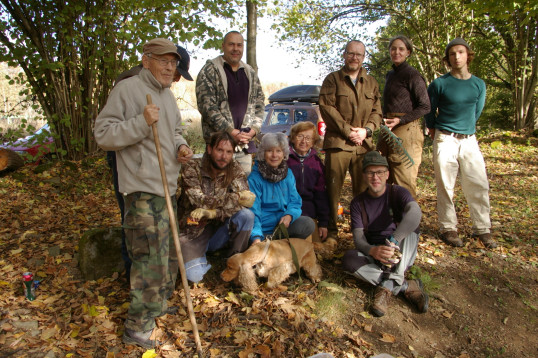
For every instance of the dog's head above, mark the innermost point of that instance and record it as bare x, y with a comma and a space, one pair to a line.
232, 268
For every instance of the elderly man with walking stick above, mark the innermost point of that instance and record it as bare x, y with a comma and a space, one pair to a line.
128, 124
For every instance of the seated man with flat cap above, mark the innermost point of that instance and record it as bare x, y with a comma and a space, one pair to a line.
385, 222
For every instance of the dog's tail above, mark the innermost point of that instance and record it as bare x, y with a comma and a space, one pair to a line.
326, 249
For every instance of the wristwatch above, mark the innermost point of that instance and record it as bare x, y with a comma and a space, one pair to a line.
368, 132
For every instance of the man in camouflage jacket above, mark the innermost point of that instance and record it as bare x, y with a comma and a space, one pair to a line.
212, 208
230, 98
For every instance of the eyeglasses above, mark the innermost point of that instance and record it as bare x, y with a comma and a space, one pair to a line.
301, 137
353, 54
164, 62
379, 173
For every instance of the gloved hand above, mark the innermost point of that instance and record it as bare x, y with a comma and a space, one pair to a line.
246, 198
198, 214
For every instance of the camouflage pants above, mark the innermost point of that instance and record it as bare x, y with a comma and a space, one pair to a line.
151, 248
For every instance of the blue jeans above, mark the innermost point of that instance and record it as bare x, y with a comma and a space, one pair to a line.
235, 230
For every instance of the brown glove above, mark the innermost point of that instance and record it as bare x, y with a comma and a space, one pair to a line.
246, 198
198, 214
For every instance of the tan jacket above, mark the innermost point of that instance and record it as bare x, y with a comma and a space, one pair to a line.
343, 106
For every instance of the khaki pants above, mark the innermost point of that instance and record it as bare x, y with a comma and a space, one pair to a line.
412, 140
452, 156
337, 163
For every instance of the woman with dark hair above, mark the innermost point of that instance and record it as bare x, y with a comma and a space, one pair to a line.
309, 173
405, 101
277, 200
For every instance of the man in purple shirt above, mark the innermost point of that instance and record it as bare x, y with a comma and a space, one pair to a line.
230, 98
385, 221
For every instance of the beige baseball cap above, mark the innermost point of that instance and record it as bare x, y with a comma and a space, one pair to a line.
161, 46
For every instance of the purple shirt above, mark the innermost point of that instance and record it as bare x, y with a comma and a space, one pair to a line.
381, 224
237, 93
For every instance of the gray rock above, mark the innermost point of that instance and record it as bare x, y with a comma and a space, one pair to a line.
100, 253
25, 325
54, 251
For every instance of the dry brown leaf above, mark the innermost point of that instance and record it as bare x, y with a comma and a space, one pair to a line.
388, 338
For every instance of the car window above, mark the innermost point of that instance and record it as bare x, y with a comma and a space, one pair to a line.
280, 116
300, 115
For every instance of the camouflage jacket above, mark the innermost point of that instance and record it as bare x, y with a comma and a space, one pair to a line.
212, 99
199, 190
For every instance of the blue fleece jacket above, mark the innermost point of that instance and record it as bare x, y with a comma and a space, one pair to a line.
273, 201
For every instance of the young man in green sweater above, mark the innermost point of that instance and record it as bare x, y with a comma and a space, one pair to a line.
457, 99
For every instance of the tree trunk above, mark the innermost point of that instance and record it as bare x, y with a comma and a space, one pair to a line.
252, 20
9, 161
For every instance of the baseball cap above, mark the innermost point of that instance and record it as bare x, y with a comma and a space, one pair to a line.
184, 63
161, 46
456, 41
374, 158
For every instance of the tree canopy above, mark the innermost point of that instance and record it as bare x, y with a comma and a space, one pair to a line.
504, 35
71, 52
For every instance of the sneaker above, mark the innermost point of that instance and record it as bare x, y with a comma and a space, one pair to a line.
416, 295
381, 301
141, 339
486, 239
451, 238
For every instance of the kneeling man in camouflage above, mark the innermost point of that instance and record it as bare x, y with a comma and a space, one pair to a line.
385, 222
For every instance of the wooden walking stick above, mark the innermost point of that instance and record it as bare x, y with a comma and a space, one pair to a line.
173, 226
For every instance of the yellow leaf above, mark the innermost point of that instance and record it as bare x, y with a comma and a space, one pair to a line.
68, 355
4, 283
365, 314
101, 300
150, 353
16, 252
447, 314
93, 311
76, 330
232, 298
41, 274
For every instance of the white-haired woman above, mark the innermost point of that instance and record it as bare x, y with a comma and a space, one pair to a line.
277, 200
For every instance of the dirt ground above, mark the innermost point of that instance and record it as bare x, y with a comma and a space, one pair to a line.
483, 303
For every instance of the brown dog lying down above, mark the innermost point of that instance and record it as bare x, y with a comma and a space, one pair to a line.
271, 259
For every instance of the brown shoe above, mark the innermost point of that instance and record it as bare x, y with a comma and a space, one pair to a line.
451, 238
416, 295
486, 239
381, 301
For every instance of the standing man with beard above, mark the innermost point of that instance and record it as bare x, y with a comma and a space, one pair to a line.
230, 98
350, 106
212, 208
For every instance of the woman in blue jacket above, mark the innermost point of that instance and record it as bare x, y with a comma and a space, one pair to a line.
277, 200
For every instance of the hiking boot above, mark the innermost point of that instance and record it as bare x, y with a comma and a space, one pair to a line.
486, 239
416, 295
381, 301
451, 238
141, 339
